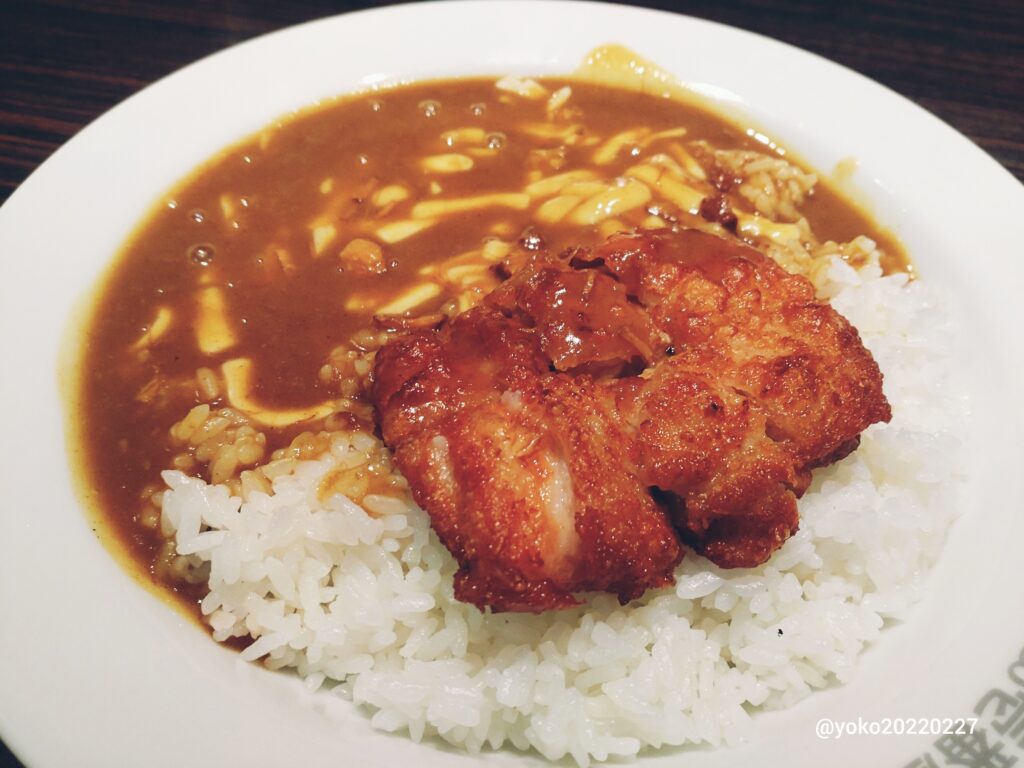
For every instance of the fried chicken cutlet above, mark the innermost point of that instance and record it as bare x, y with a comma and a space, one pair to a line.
601, 406
523, 479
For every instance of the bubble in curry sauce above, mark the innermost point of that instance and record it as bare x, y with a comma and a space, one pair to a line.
202, 254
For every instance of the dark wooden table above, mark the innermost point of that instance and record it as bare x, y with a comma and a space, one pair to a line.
65, 62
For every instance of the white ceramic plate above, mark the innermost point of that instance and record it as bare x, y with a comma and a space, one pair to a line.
96, 671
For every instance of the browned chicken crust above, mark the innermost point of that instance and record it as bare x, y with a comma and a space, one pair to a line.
601, 406
522, 476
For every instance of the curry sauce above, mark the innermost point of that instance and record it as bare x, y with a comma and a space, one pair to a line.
280, 251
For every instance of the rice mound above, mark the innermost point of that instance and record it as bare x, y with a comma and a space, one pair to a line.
358, 598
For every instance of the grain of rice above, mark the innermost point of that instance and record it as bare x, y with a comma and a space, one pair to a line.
183, 461
183, 430
224, 464
208, 430
207, 384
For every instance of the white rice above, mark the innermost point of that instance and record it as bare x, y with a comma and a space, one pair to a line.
364, 596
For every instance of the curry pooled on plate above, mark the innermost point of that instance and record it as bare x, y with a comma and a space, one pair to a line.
572, 411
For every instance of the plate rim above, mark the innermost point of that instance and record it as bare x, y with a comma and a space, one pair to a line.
14, 205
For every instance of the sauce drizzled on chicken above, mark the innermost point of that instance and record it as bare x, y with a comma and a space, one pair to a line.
602, 407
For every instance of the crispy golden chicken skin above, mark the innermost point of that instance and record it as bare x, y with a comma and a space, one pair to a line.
786, 383
598, 406
520, 469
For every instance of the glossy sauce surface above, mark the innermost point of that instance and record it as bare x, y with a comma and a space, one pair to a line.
264, 227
